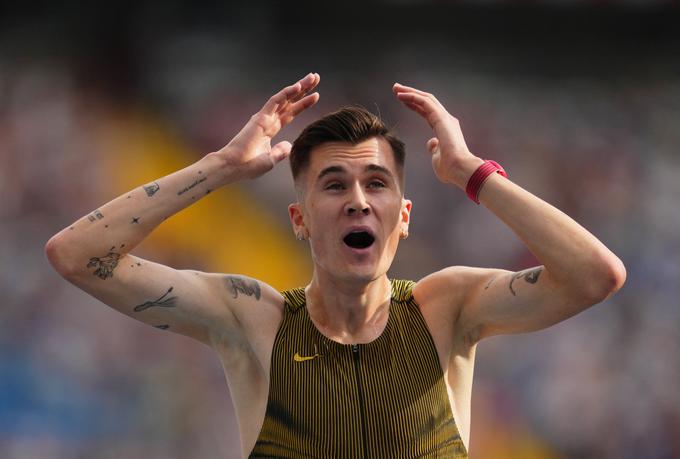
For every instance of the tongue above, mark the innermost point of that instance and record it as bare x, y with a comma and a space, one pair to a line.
359, 240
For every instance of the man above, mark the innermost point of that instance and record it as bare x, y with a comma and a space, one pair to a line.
354, 364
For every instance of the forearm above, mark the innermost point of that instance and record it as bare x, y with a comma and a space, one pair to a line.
573, 258
121, 224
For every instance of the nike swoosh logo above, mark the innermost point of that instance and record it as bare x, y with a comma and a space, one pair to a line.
301, 358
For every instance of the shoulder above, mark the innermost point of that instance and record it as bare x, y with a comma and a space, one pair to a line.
251, 303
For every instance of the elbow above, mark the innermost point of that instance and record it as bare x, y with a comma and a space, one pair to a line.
609, 278
58, 258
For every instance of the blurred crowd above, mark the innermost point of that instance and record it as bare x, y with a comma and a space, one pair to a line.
78, 380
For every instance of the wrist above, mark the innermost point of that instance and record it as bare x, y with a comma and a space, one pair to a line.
480, 176
465, 169
223, 167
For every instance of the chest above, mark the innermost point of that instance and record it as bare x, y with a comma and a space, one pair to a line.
388, 395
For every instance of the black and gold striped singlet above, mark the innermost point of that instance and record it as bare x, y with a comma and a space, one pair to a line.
383, 399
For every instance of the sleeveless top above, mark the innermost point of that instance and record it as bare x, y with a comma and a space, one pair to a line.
383, 399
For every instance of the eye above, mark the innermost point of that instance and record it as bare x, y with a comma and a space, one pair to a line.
376, 184
333, 186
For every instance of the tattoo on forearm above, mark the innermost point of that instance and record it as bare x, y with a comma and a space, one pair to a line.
162, 327
187, 188
151, 188
529, 275
163, 302
94, 216
244, 286
105, 265
135, 220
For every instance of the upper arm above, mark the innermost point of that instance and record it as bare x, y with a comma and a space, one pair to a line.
192, 303
485, 302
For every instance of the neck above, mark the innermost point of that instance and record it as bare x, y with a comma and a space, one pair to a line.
349, 312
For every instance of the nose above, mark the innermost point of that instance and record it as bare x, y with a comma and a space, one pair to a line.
357, 202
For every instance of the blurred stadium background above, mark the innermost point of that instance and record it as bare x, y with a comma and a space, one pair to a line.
579, 100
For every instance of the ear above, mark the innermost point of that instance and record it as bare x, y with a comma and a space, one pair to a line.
297, 221
406, 205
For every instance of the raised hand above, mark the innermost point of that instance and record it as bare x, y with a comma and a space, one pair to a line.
250, 153
451, 158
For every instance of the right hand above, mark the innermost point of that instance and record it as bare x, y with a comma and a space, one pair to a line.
250, 154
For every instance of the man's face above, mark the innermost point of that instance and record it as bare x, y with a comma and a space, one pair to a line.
351, 209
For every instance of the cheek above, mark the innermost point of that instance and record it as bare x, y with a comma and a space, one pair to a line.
394, 218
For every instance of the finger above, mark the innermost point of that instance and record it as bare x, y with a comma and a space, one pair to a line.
414, 103
280, 151
422, 102
417, 108
306, 87
287, 93
303, 104
280, 97
306, 84
398, 87
402, 89
432, 144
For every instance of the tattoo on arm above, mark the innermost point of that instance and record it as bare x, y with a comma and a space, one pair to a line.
94, 216
105, 265
162, 302
529, 275
188, 187
135, 220
162, 327
244, 286
151, 188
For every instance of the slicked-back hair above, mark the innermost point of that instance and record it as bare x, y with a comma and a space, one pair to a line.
352, 124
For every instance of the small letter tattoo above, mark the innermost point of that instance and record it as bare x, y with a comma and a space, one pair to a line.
96, 215
187, 188
245, 286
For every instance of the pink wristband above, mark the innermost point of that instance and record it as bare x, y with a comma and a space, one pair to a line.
477, 179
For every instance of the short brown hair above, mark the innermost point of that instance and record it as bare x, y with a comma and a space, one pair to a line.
352, 124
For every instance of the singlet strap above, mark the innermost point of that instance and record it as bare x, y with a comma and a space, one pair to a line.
295, 298
402, 290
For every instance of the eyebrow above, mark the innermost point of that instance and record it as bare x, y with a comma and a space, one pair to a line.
341, 170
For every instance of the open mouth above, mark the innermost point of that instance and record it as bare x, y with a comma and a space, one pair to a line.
359, 239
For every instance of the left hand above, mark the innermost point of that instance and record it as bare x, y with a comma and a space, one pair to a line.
451, 158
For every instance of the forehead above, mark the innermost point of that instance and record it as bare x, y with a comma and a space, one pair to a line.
375, 150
